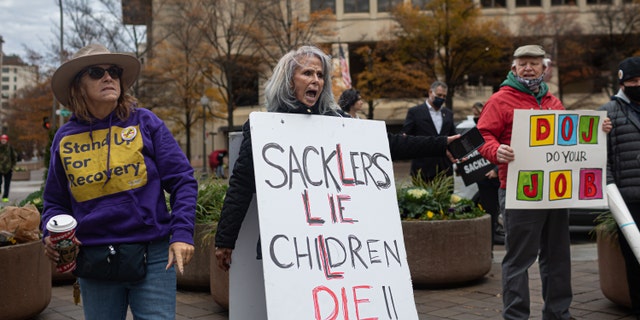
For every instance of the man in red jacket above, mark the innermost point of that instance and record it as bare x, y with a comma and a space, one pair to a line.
529, 234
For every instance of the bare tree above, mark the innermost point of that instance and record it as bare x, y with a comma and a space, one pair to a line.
446, 40
286, 26
230, 30
562, 35
86, 23
619, 26
174, 72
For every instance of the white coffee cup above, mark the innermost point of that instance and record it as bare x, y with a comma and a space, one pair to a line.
62, 231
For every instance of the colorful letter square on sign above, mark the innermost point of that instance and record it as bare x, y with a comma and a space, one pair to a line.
530, 185
590, 184
560, 183
542, 130
568, 129
589, 129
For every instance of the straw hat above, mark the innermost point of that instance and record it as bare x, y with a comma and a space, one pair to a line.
90, 55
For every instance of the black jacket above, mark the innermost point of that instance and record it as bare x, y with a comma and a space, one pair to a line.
418, 122
242, 184
623, 147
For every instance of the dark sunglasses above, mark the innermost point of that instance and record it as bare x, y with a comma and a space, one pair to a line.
97, 73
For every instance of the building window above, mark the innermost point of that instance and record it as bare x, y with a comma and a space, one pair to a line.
387, 5
420, 3
493, 3
528, 3
5, 87
5, 79
563, 2
351, 6
319, 5
245, 81
5, 70
246, 90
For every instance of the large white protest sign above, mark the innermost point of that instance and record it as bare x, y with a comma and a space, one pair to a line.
560, 160
246, 281
331, 237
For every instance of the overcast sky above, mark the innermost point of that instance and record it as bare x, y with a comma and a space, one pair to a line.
28, 22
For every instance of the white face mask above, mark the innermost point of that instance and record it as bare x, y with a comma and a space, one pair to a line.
532, 84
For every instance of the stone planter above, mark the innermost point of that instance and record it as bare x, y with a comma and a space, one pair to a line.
25, 284
21, 175
219, 281
611, 269
196, 273
448, 253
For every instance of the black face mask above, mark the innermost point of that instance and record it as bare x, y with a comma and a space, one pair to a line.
632, 93
437, 102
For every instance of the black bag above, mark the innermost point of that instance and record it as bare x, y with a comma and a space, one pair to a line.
118, 262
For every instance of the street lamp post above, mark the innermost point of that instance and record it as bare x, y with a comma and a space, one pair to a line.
205, 103
212, 135
56, 103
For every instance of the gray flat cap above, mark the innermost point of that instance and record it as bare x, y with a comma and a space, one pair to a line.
532, 50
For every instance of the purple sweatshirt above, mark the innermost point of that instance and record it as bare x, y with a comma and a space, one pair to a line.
112, 175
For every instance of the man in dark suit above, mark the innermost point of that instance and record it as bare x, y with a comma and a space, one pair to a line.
431, 118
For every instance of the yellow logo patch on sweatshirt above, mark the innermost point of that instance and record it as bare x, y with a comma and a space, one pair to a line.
100, 167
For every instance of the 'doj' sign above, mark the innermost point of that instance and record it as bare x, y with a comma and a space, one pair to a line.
568, 129
560, 160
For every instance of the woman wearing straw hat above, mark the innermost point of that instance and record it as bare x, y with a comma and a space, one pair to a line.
110, 166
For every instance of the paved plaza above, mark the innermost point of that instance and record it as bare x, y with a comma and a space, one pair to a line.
478, 300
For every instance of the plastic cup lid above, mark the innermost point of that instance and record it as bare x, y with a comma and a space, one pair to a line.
61, 223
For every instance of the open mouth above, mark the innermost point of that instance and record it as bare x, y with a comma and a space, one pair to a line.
311, 94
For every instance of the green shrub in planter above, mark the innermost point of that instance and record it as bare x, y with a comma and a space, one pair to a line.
606, 224
34, 198
211, 194
434, 200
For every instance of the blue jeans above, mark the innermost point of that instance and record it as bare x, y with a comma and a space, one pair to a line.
153, 297
220, 172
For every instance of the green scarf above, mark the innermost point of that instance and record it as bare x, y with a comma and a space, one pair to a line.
511, 81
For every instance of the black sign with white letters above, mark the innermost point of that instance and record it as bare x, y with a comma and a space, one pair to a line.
474, 169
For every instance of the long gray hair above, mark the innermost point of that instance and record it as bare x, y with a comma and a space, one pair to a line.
279, 91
